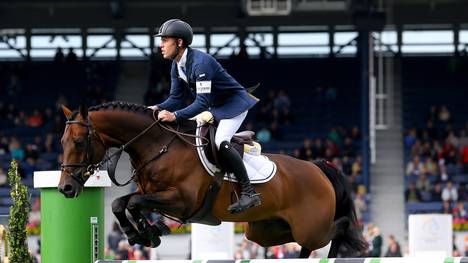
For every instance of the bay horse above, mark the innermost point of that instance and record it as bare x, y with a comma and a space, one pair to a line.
308, 203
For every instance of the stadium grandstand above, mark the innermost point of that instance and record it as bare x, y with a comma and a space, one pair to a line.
377, 87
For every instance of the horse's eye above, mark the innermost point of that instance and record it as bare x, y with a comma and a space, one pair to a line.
79, 143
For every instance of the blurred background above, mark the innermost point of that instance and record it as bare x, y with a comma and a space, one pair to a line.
377, 87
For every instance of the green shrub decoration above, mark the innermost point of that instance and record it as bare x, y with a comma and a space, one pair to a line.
19, 213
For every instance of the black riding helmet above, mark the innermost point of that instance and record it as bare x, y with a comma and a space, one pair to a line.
176, 28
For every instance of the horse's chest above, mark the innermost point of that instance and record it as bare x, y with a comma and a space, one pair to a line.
150, 186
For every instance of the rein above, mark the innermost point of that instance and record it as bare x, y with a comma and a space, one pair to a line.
92, 168
180, 134
165, 148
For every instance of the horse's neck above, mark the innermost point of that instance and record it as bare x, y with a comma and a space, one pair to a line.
118, 128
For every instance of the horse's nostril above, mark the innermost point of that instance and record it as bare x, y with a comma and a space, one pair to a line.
67, 188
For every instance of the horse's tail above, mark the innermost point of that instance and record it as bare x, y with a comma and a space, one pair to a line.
351, 235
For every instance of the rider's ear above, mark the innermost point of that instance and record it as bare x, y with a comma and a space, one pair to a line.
67, 112
84, 111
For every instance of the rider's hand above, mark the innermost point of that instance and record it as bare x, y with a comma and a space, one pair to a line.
165, 115
204, 117
154, 108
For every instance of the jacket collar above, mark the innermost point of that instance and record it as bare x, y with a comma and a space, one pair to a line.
188, 63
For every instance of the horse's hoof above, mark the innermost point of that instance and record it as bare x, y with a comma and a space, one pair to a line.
155, 242
137, 239
153, 233
150, 234
162, 228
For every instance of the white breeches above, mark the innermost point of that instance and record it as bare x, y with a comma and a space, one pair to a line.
228, 127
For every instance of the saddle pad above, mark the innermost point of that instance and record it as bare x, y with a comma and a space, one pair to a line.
259, 167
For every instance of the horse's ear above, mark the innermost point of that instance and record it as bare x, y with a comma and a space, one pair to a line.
84, 111
67, 112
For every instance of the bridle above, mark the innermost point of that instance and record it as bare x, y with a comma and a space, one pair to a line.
91, 168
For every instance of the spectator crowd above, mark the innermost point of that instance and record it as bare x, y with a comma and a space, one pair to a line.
437, 165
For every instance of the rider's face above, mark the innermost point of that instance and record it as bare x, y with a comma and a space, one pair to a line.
168, 47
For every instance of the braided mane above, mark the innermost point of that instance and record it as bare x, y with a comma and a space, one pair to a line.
134, 108
125, 106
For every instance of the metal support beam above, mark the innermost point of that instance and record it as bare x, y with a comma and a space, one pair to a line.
399, 30
101, 47
135, 46
365, 48
349, 43
28, 44
208, 39
118, 42
242, 35
84, 43
224, 46
331, 40
456, 38
275, 41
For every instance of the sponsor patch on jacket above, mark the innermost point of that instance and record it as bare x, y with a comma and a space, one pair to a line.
204, 86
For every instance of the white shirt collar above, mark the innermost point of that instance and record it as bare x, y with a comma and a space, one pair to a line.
180, 64
183, 59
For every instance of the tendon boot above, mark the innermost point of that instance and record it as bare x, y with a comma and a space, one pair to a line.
249, 197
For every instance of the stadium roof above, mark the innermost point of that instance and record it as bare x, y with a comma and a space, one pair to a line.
208, 13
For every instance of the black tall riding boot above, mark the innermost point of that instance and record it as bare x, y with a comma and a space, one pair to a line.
249, 197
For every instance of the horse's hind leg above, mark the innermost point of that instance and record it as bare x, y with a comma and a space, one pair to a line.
269, 232
273, 232
309, 230
305, 252
119, 206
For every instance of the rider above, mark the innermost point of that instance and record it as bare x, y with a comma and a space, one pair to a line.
215, 91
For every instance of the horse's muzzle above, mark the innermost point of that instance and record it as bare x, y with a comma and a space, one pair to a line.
69, 189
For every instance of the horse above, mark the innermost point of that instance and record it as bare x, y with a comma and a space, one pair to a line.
305, 202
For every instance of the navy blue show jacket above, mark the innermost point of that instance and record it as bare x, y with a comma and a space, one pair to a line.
212, 87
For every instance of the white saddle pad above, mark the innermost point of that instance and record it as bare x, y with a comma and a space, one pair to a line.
259, 167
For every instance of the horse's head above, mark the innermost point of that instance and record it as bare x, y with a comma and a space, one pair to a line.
82, 149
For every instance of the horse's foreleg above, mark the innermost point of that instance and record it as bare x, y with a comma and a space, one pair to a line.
118, 208
151, 202
148, 231
158, 201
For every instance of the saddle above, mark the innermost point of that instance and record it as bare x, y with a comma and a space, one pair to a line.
237, 142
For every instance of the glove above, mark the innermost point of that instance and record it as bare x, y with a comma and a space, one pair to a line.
204, 117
